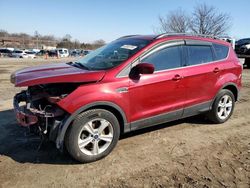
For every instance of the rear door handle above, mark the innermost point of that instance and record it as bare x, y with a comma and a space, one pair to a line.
216, 70
177, 77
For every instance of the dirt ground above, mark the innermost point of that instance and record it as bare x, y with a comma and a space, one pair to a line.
185, 153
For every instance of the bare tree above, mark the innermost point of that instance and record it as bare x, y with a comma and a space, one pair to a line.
204, 20
207, 20
176, 21
67, 37
98, 43
3, 33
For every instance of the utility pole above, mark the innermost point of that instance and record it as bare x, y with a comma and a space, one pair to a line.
36, 35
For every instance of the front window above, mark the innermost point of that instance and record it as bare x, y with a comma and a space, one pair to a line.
167, 58
112, 54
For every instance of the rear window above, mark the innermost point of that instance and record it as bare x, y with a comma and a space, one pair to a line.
199, 54
221, 51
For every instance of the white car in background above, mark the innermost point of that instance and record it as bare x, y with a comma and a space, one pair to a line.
19, 54
31, 54
62, 52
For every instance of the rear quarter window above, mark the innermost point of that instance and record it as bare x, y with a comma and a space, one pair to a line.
199, 54
221, 51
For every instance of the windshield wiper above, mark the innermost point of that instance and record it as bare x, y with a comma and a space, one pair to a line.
79, 65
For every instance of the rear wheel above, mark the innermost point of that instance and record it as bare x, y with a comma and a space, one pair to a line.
93, 135
223, 107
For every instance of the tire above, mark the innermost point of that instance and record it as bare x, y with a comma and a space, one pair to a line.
221, 111
86, 141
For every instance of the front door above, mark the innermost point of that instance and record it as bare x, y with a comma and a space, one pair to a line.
158, 97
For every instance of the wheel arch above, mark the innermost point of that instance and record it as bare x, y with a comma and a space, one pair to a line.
109, 106
233, 88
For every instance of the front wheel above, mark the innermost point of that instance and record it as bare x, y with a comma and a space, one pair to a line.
93, 135
223, 107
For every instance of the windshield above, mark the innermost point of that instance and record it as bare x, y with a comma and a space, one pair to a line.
112, 54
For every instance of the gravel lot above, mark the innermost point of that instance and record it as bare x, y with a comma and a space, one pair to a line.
185, 153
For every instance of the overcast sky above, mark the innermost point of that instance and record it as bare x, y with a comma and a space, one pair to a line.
89, 20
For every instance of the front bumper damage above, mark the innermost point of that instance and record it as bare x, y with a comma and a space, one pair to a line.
23, 115
37, 113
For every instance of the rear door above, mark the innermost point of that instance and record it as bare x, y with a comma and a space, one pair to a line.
201, 74
159, 96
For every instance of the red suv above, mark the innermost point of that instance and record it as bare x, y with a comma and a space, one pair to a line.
132, 83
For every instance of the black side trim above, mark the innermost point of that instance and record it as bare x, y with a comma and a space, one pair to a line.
67, 121
197, 109
155, 120
171, 116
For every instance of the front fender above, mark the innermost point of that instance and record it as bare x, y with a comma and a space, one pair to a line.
68, 120
90, 96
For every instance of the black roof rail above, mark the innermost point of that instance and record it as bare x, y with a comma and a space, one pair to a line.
185, 34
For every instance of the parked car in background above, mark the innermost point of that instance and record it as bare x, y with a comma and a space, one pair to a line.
4, 52
86, 52
75, 53
19, 54
242, 46
41, 53
31, 54
229, 40
132, 83
62, 52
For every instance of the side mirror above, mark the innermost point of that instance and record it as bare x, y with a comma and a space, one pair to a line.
141, 68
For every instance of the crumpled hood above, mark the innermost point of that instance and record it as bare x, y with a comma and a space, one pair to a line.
54, 73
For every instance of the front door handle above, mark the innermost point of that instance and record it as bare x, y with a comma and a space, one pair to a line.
216, 70
177, 77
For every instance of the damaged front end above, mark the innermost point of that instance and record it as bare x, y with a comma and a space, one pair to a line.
37, 108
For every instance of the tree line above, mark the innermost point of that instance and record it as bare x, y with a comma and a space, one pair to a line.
24, 40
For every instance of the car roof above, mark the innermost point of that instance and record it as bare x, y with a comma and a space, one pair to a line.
244, 39
175, 36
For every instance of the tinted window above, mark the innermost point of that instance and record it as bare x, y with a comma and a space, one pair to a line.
4, 51
166, 58
17, 51
221, 51
30, 52
199, 54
